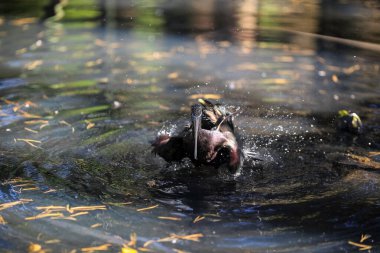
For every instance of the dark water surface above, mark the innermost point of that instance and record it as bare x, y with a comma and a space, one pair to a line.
84, 93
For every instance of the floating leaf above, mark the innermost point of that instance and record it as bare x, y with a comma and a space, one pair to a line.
103, 247
23, 185
89, 124
63, 218
192, 237
24, 21
169, 218
28, 115
173, 75
126, 249
44, 215
133, 239
53, 241
2, 221
51, 208
364, 237
30, 189
283, 59
21, 51
224, 43
96, 225
30, 142
279, 81
90, 64
206, 96
144, 249
103, 80
78, 214
198, 218
335, 78
88, 208
179, 251
246, 66
34, 64
14, 203
36, 122
360, 246
31, 130
147, 208
352, 69
50, 190
33, 247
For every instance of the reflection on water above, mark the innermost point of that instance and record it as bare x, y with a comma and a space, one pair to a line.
82, 101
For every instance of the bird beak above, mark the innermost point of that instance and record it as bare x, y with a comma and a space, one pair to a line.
196, 116
196, 124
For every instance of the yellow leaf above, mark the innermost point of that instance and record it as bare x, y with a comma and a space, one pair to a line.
169, 218
33, 247
2, 221
173, 75
364, 237
246, 66
359, 245
103, 247
44, 215
90, 125
31, 130
283, 59
198, 218
126, 249
24, 21
14, 203
34, 64
133, 237
53, 241
147, 208
206, 96
96, 225
78, 214
335, 78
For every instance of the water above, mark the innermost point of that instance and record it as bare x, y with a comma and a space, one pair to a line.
81, 100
